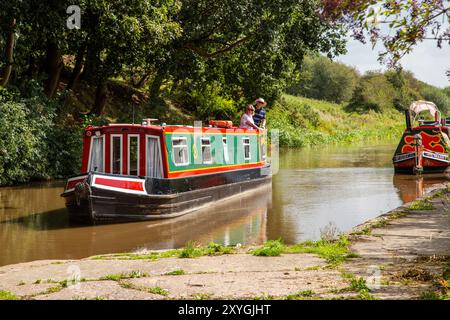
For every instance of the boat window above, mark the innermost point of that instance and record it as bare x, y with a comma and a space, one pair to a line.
225, 150
246, 143
154, 168
133, 155
206, 150
96, 155
116, 154
180, 151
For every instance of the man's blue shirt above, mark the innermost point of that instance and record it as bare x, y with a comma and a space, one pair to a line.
260, 114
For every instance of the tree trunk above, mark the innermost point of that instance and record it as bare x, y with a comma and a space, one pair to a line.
91, 64
156, 85
101, 95
142, 81
9, 55
77, 69
54, 65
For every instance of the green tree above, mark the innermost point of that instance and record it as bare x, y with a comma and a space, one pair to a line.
447, 91
437, 96
407, 88
374, 92
122, 33
325, 80
252, 47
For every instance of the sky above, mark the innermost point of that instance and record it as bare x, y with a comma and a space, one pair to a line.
427, 61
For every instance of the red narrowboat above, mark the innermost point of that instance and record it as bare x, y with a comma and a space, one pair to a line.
134, 172
425, 147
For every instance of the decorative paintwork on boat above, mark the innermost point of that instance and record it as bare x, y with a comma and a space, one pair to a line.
141, 172
424, 148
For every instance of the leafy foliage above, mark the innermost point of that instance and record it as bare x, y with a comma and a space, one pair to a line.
408, 23
23, 133
374, 92
323, 79
209, 104
438, 96
32, 146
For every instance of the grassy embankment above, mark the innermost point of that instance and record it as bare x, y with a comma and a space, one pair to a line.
302, 122
307, 122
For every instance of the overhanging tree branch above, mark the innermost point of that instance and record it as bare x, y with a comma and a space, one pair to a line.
204, 53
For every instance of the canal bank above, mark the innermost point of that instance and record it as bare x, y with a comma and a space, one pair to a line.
403, 254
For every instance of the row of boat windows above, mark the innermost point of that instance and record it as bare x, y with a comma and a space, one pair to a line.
181, 154
153, 163
152, 155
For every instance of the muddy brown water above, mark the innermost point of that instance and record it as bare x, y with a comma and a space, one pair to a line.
315, 189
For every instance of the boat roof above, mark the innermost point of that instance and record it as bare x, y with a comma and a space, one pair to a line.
422, 105
115, 127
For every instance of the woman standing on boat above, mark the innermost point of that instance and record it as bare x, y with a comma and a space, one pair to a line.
247, 118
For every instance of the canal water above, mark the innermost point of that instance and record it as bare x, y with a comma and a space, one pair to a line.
316, 189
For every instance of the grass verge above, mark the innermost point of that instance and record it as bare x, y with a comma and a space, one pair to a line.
333, 251
121, 276
420, 205
6, 295
191, 250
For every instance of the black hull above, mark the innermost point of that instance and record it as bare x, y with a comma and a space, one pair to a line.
95, 205
426, 170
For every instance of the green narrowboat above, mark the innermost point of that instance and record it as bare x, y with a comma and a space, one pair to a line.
144, 171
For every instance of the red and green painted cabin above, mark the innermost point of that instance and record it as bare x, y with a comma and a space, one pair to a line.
141, 172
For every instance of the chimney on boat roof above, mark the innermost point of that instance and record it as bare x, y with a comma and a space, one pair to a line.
148, 121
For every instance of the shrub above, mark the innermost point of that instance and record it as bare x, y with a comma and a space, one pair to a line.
65, 147
22, 144
34, 142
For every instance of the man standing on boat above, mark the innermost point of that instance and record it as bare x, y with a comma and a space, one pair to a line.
259, 118
247, 119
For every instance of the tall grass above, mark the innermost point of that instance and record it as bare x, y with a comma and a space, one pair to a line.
308, 122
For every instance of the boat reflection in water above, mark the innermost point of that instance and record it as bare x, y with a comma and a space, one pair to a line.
51, 235
412, 187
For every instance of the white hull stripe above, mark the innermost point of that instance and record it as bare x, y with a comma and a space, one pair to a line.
436, 156
404, 157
